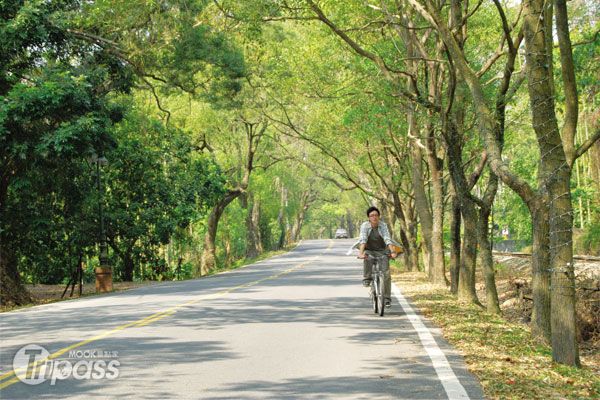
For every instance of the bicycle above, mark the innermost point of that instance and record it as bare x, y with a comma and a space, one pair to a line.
377, 285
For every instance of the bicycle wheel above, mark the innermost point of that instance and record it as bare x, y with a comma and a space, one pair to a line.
380, 298
374, 296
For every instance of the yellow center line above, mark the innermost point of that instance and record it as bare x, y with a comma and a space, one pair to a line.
148, 320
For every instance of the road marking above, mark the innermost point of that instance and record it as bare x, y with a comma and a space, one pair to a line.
454, 389
151, 318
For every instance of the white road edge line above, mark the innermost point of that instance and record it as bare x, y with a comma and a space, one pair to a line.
446, 375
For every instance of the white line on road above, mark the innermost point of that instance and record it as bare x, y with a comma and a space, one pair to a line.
446, 375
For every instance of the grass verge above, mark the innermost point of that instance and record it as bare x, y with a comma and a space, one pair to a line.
248, 261
509, 363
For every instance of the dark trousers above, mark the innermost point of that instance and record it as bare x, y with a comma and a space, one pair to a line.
385, 267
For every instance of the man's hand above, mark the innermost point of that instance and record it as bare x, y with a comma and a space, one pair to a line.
361, 256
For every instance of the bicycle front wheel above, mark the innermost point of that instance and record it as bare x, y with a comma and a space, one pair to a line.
380, 297
374, 296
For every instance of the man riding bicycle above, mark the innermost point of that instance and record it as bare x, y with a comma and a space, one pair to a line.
375, 241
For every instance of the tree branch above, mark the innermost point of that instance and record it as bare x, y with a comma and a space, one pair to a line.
587, 144
388, 72
567, 66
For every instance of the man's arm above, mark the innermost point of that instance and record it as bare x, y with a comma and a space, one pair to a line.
362, 239
393, 253
361, 250
387, 237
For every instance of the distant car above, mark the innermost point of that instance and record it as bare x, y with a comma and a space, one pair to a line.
341, 234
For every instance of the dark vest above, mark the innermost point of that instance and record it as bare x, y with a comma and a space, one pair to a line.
375, 241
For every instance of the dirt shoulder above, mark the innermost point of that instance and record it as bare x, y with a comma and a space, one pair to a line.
44, 294
499, 350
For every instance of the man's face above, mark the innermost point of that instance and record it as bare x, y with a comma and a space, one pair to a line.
374, 218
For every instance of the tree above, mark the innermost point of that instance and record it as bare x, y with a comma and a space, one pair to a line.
156, 185
550, 205
53, 105
253, 132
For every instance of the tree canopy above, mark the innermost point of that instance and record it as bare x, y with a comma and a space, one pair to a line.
234, 128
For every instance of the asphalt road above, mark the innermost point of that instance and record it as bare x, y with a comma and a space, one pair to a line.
297, 326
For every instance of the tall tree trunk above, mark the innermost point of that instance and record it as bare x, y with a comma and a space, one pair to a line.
417, 147
437, 272
468, 256
228, 252
253, 239
296, 227
422, 204
405, 235
305, 202
412, 226
350, 224
540, 261
564, 322
455, 244
555, 177
458, 114
486, 260
281, 218
408, 232
208, 260
563, 313
12, 290
406, 253
128, 266
387, 215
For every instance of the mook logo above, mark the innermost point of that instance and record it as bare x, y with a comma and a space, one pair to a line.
32, 365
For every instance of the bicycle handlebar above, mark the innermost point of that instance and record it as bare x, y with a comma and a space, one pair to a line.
375, 257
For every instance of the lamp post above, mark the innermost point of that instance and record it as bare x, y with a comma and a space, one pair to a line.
104, 271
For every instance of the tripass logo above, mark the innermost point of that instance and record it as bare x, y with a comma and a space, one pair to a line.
32, 365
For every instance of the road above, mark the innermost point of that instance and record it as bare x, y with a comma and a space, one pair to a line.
296, 326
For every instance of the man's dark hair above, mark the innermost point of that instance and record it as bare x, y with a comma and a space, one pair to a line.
371, 209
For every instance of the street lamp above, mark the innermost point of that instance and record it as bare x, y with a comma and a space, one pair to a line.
104, 271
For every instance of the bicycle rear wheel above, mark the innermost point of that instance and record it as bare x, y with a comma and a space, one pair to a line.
380, 298
374, 296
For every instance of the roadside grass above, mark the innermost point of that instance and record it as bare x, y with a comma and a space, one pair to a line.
46, 294
248, 261
509, 363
